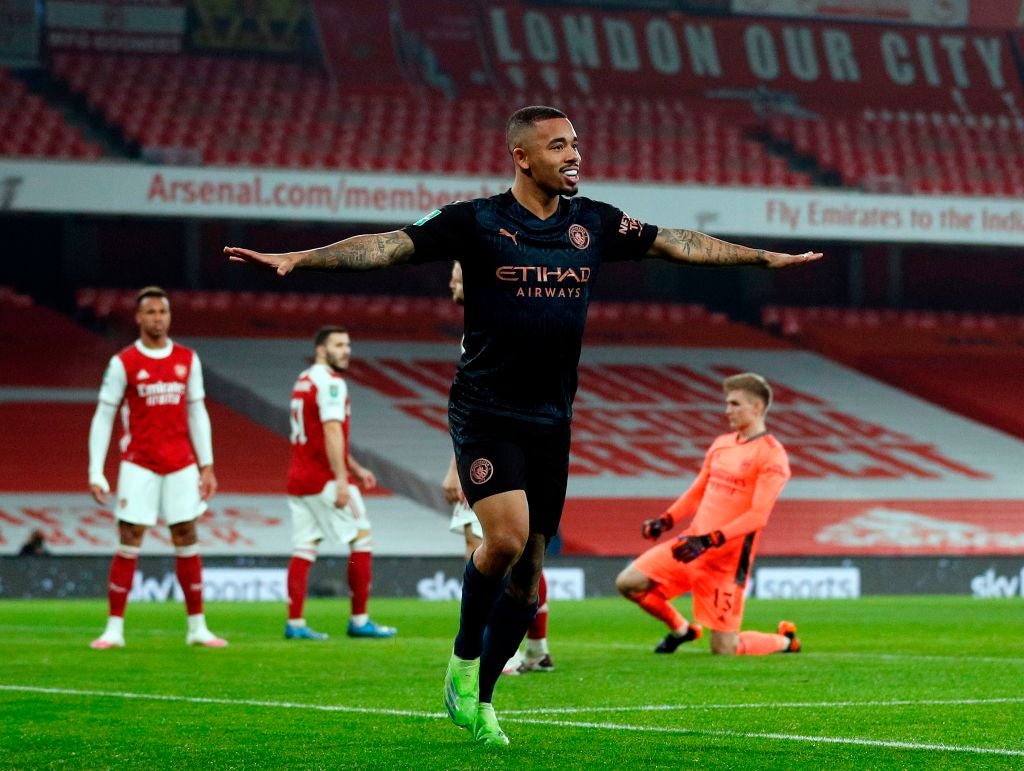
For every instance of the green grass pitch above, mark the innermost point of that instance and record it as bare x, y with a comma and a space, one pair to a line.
883, 682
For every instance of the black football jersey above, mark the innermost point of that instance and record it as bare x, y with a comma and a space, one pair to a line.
527, 289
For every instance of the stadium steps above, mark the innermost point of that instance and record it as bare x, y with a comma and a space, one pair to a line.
800, 162
76, 113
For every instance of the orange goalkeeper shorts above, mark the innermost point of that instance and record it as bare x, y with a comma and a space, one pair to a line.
711, 579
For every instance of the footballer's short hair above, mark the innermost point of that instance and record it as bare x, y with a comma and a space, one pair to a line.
150, 291
324, 332
751, 383
523, 119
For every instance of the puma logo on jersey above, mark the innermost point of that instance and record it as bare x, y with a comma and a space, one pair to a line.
513, 236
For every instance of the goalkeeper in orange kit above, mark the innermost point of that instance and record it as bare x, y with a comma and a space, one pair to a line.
730, 502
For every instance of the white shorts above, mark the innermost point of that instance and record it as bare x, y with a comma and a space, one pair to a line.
315, 517
463, 515
143, 496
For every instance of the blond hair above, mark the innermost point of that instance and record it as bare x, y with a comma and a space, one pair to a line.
752, 383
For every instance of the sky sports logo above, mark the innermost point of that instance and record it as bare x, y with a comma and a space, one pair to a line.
836, 583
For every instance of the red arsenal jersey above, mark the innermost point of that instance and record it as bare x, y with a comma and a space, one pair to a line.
153, 387
320, 394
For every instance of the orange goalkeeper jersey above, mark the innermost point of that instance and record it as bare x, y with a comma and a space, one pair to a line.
737, 487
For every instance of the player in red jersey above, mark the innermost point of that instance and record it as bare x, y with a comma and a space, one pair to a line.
165, 429
730, 502
536, 657
323, 487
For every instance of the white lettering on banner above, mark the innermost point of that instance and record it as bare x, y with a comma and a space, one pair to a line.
989, 585
149, 589
333, 198
566, 583
219, 584
563, 584
640, 41
439, 587
244, 584
842, 65
581, 40
832, 583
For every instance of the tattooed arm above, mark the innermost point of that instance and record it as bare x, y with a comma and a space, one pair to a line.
695, 248
378, 250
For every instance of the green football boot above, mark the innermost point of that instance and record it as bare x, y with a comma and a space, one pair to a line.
462, 690
486, 729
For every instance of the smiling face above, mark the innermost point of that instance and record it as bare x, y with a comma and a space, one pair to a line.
548, 153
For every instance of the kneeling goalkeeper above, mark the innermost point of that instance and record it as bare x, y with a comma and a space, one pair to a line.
730, 502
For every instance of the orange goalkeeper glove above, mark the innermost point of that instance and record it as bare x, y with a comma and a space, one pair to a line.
653, 528
689, 547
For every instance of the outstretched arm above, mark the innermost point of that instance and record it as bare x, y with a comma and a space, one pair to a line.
377, 250
696, 248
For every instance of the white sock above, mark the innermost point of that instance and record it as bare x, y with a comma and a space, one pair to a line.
681, 630
359, 619
296, 622
537, 649
197, 623
115, 626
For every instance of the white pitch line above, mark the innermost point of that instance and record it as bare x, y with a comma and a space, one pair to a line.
772, 705
774, 736
229, 702
533, 721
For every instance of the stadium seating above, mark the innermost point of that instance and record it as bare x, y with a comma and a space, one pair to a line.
913, 152
29, 128
227, 111
232, 111
201, 313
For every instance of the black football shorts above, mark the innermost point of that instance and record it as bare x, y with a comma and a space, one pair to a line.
496, 455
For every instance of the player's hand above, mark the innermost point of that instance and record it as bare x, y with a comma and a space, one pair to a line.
653, 528
367, 479
207, 483
282, 264
783, 260
453, 488
689, 547
98, 488
341, 495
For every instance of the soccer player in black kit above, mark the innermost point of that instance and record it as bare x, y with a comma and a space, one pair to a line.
529, 257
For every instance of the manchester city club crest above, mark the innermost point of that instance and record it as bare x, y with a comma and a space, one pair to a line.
481, 470
579, 236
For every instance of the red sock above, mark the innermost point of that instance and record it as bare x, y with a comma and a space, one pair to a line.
359, 574
760, 643
190, 576
298, 583
539, 628
122, 573
657, 604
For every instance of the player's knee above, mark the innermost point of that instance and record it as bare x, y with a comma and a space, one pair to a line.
506, 546
184, 533
363, 541
724, 643
630, 584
